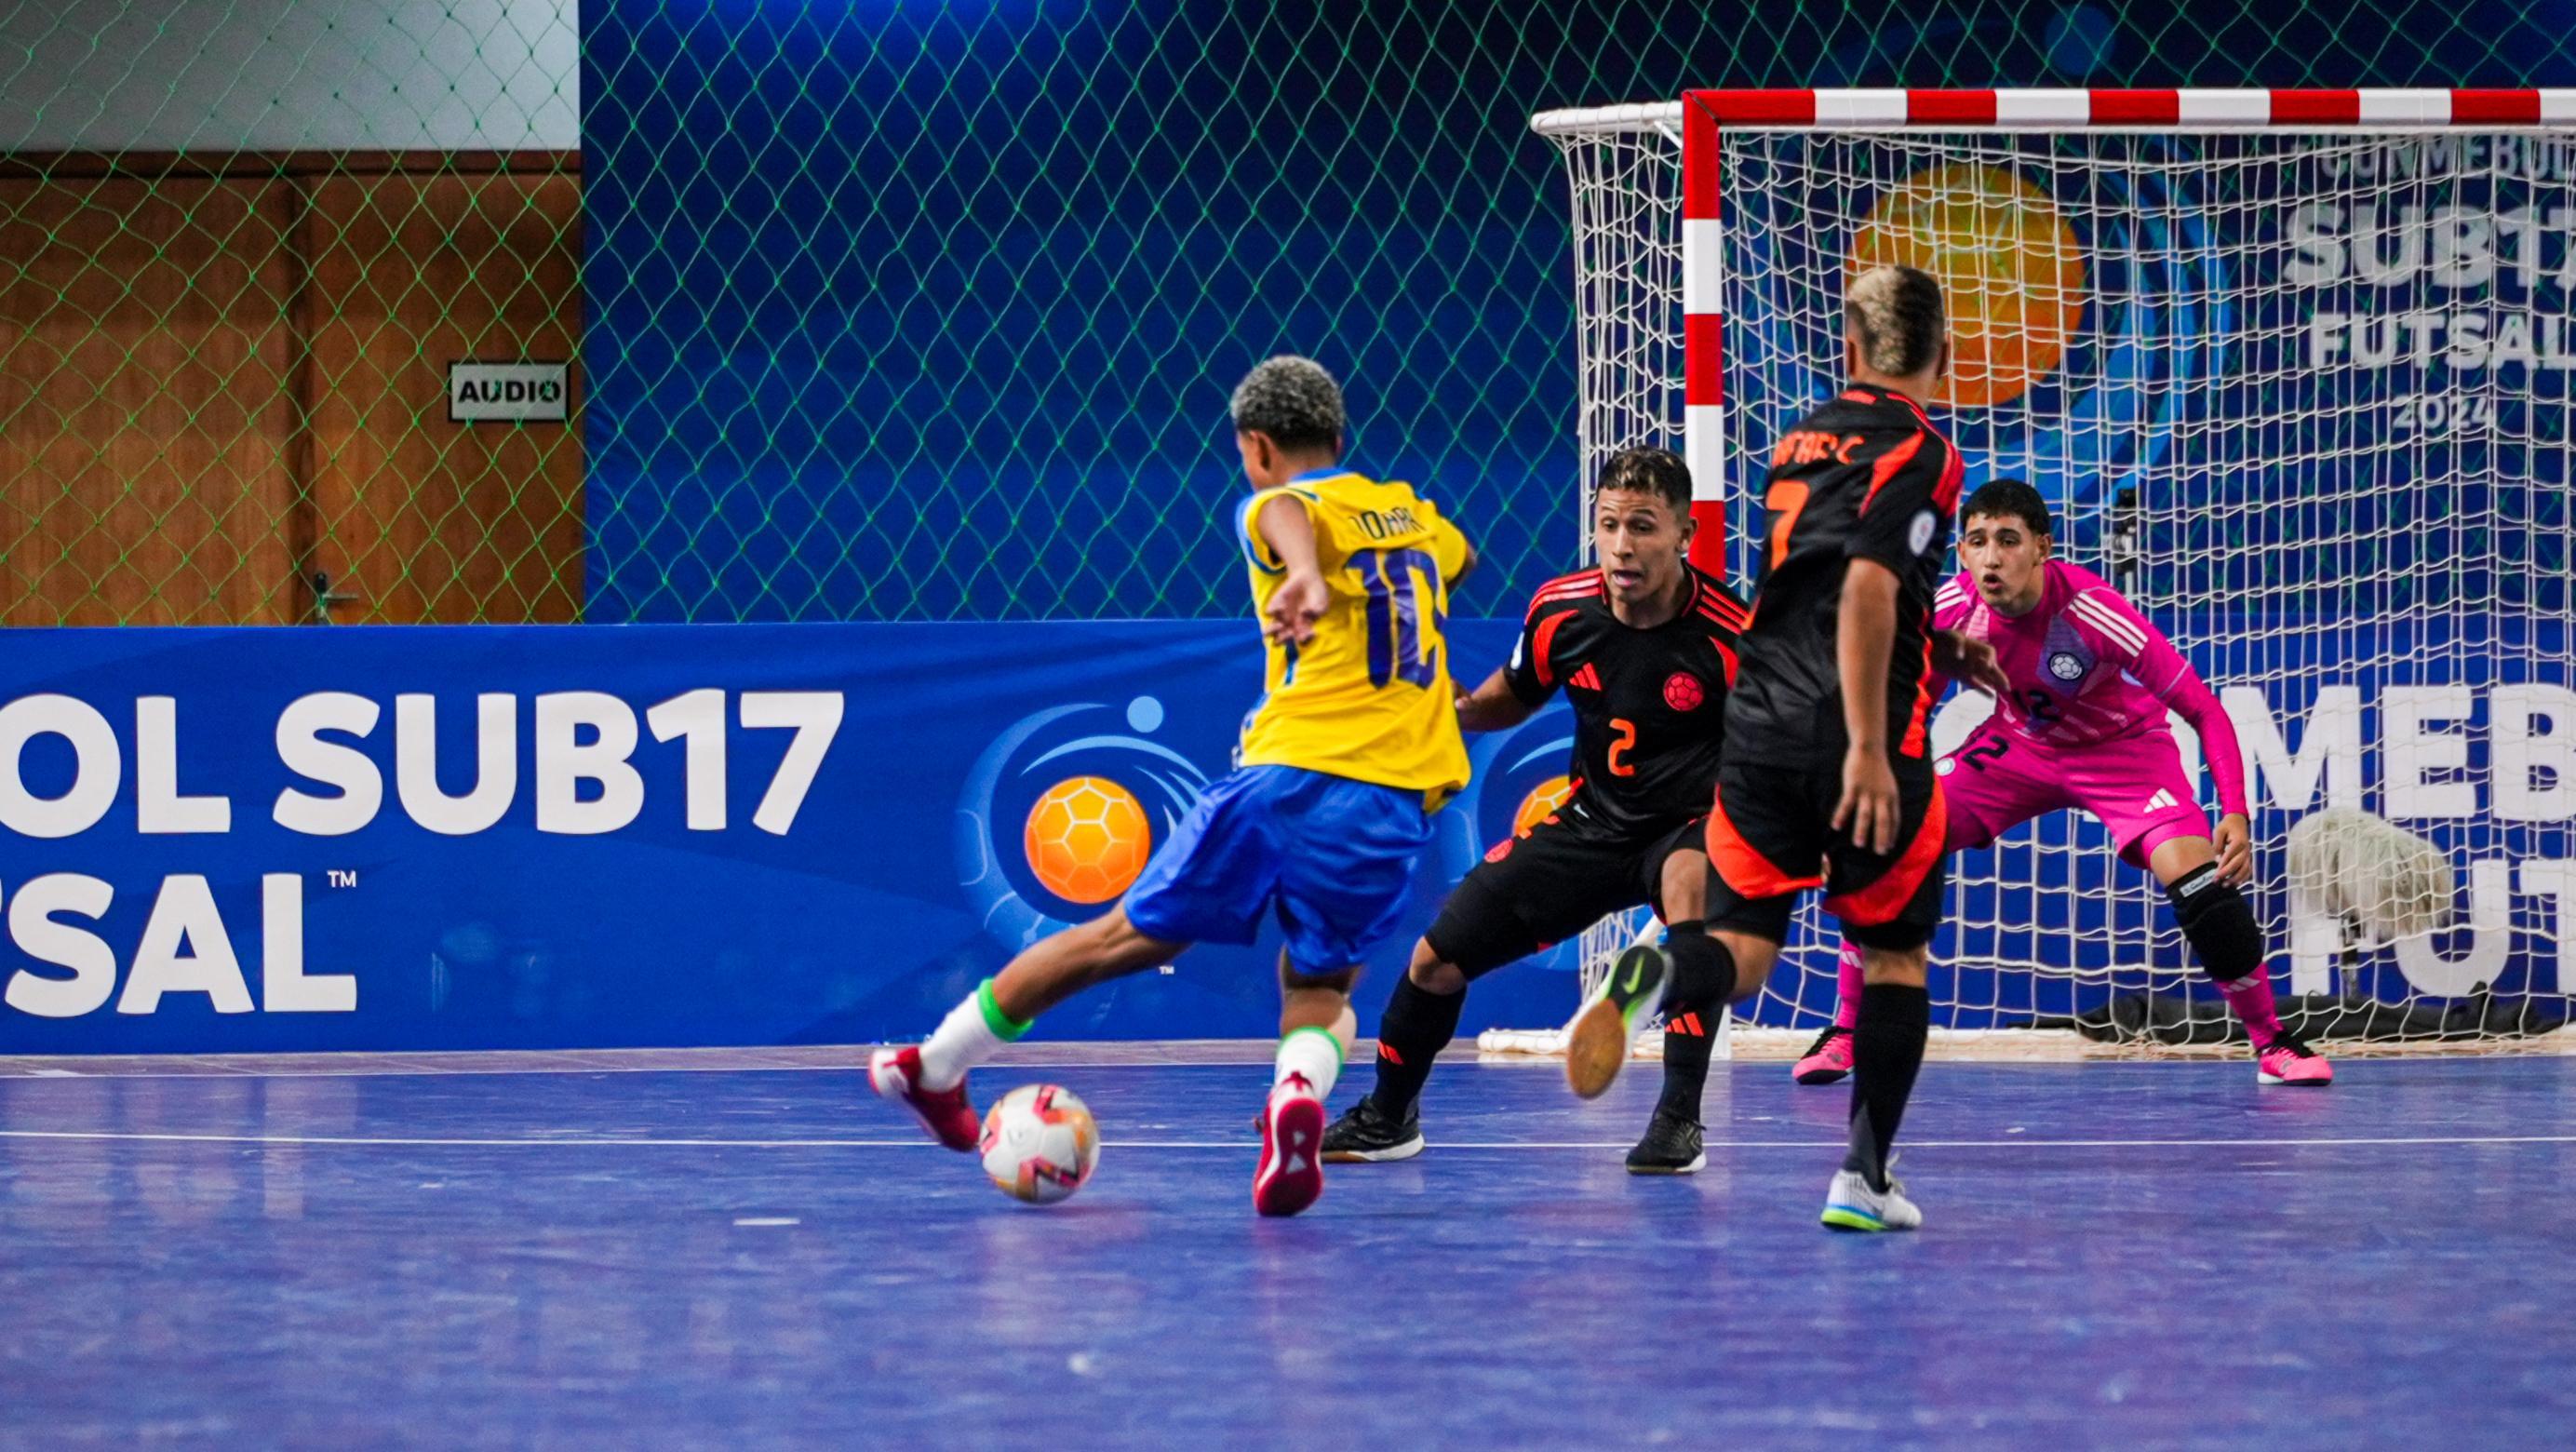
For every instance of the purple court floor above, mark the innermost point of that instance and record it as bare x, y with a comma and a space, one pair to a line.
751, 1252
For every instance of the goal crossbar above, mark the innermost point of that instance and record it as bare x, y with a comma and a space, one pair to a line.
1700, 115
2081, 110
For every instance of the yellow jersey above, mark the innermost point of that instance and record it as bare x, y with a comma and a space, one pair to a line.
1369, 698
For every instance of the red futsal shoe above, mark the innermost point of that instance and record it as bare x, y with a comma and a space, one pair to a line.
896, 1074
1291, 1173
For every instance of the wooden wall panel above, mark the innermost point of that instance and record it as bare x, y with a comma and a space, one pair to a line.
223, 374
426, 519
144, 355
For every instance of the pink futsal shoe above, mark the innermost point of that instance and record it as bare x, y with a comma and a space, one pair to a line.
1827, 1060
896, 1074
1291, 1173
2286, 1060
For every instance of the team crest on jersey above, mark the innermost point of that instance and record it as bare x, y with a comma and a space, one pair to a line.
1683, 692
2066, 658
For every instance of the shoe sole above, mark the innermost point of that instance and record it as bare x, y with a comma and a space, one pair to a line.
1292, 1129
1698, 1162
1404, 1151
1597, 1043
1822, 1076
2262, 1078
1846, 1217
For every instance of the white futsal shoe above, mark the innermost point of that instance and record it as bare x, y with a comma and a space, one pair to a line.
1850, 1204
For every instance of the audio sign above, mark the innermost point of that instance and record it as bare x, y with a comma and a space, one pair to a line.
507, 392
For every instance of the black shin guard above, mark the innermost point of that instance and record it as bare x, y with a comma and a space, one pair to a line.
1887, 1051
1703, 983
2217, 923
1417, 1026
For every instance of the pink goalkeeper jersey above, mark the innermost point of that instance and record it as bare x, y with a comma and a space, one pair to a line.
2086, 667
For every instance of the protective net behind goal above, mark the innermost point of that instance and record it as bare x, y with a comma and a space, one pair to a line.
2299, 390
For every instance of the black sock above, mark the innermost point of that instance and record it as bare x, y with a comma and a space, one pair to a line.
1887, 1049
1703, 981
1417, 1026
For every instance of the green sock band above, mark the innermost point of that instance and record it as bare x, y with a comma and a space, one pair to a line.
1004, 1027
1340, 1050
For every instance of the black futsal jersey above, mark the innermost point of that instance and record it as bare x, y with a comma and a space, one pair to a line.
1864, 477
1648, 704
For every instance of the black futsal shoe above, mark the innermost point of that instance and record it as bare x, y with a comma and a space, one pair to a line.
1366, 1134
1671, 1147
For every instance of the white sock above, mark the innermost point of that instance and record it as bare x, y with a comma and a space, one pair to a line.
1313, 1052
973, 1032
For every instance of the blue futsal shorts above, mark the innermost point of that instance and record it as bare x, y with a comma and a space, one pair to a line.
1335, 856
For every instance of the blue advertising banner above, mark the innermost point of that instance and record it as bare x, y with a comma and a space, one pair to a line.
525, 837
496, 837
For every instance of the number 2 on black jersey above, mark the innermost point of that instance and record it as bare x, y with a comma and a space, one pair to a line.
1627, 730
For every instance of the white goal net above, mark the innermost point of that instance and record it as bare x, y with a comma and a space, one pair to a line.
2301, 393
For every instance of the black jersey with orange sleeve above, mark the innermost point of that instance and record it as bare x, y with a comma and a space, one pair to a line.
1649, 705
1866, 476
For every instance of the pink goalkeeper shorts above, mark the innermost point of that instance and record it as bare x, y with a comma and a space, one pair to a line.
2133, 785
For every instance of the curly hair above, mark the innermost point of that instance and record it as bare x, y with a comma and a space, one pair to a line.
1294, 401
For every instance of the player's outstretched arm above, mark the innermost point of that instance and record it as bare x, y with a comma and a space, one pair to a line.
1493, 706
1302, 597
2148, 655
1865, 634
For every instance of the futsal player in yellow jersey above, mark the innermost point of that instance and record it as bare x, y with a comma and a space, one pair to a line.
1352, 747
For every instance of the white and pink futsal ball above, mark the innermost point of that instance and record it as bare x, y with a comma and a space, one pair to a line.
1040, 1144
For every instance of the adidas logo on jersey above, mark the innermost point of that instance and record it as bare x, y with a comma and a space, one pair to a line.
1587, 678
2161, 800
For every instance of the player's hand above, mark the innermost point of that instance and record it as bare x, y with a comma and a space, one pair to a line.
1295, 607
2235, 849
1966, 658
1869, 806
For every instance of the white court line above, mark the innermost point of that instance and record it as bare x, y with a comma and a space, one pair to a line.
124, 1069
1247, 1143
857, 1066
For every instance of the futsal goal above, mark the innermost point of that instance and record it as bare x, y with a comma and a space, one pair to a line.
2292, 367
